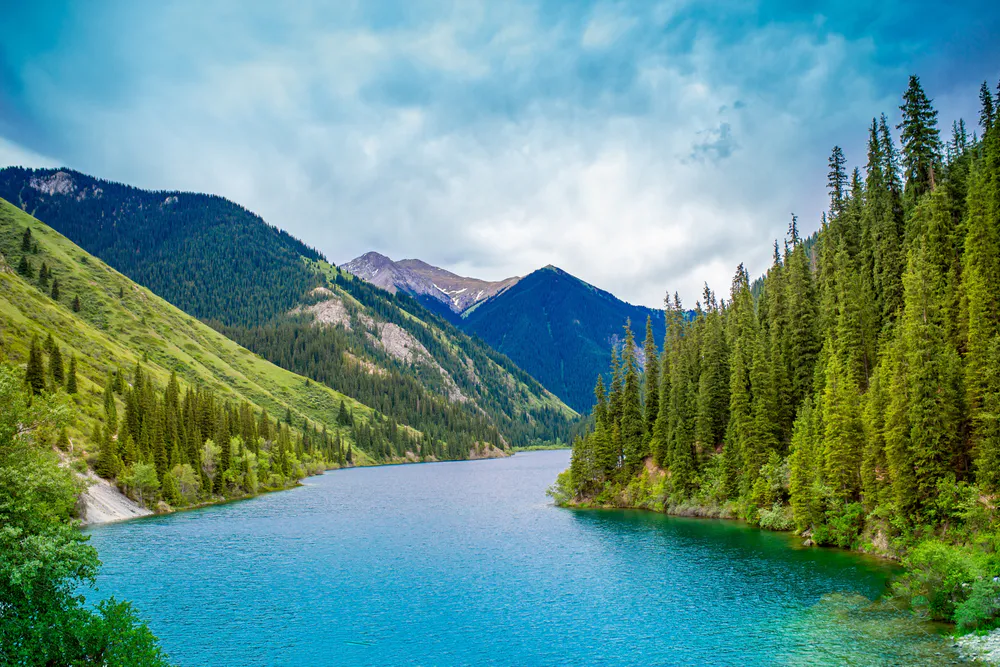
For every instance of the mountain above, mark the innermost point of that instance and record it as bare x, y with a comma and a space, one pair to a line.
111, 326
439, 290
560, 329
208, 256
383, 350
553, 325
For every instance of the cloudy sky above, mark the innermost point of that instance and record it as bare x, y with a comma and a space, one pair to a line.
642, 147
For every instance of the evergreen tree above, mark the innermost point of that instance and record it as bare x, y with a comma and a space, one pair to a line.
56, 369
76, 304
71, 376
652, 379
26, 240
55, 290
843, 437
35, 373
836, 180
110, 408
987, 113
632, 423
921, 139
24, 268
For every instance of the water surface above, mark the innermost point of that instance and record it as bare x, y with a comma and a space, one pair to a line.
470, 564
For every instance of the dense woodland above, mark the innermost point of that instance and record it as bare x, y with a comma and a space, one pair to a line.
414, 394
247, 271
854, 393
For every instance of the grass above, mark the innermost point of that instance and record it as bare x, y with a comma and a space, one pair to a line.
121, 321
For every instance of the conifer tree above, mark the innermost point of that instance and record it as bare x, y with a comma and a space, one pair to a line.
24, 267
43, 277
713, 382
71, 377
54, 294
56, 369
35, 372
632, 423
742, 337
923, 420
836, 180
76, 304
987, 113
110, 408
652, 378
803, 477
843, 437
921, 139
26, 240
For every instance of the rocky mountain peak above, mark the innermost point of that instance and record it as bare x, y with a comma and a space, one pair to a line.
428, 283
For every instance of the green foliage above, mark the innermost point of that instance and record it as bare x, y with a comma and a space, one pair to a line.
939, 577
981, 609
44, 559
886, 436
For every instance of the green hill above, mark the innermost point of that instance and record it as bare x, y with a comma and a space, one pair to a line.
205, 254
110, 326
282, 300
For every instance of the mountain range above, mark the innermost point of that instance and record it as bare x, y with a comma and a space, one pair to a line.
555, 326
407, 337
281, 299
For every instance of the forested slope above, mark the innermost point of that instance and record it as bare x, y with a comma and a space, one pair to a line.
855, 397
151, 386
205, 254
262, 287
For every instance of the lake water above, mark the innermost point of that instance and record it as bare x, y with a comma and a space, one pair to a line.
469, 563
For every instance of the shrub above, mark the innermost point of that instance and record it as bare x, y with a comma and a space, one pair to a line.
779, 517
939, 578
982, 607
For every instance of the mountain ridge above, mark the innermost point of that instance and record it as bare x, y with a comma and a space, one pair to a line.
445, 292
383, 350
559, 328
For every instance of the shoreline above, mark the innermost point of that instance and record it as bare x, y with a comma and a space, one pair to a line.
117, 507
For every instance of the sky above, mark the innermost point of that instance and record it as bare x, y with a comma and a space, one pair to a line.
644, 147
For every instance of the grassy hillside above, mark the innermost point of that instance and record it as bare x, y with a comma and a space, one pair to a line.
258, 286
120, 323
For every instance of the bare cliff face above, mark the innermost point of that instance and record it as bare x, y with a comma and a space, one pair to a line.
420, 279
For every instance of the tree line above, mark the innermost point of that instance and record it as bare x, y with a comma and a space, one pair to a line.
853, 393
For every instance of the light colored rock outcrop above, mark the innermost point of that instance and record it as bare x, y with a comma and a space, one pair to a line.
102, 502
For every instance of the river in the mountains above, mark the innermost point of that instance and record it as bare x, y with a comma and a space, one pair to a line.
469, 563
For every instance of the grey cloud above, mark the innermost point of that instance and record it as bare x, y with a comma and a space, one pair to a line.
718, 144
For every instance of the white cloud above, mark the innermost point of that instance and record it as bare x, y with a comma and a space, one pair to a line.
487, 141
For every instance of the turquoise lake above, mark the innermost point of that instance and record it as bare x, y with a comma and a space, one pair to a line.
469, 563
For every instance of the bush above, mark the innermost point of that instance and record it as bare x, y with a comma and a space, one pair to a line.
779, 517
981, 609
940, 578
843, 525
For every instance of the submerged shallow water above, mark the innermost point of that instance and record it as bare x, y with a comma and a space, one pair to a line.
469, 563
